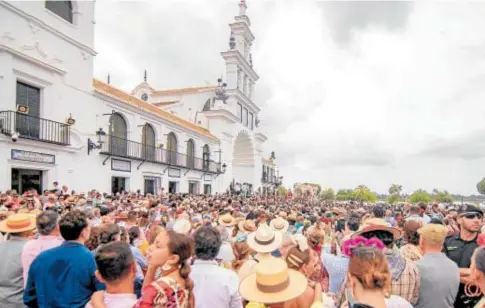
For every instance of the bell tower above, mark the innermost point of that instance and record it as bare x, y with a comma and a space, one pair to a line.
239, 64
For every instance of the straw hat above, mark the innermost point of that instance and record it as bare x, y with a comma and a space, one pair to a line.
374, 224
182, 226
227, 220
70, 200
273, 282
81, 201
265, 239
279, 224
247, 226
433, 232
18, 223
36, 212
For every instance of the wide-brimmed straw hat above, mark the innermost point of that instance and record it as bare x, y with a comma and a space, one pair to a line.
18, 223
182, 226
273, 282
247, 226
279, 224
375, 224
264, 239
70, 200
227, 220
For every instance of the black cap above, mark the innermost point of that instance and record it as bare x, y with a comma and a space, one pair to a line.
470, 209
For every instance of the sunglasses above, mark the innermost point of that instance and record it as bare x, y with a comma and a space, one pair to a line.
473, 215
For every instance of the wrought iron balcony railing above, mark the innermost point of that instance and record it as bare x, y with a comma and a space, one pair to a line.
268, 179
34, 128
138, 151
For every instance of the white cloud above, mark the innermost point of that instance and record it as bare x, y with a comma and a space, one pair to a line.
389, 95
362, 113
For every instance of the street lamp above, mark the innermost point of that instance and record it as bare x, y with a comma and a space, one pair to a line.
96, 146
222, 169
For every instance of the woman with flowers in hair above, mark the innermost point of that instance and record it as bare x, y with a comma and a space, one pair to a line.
303, 259
369, 278
320, 273
170, 253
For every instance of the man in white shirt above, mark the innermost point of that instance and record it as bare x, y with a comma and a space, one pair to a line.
214, 286
415, 213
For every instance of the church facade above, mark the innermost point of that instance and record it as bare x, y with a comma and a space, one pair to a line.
57, 123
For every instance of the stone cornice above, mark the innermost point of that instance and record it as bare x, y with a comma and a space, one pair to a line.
234, 56
242, 26
261, 137
34, 60
241, 97
222, 113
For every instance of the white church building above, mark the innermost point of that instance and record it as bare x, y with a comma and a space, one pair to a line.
57, 123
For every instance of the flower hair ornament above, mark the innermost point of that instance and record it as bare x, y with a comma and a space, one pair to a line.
481, 240
241, 238
361, 243
301, 242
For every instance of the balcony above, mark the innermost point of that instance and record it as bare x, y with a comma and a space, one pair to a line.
119, 147
269, 179
34, 128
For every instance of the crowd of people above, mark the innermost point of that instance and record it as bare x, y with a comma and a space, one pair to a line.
69, 249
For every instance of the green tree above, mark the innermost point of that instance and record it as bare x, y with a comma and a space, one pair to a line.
344, 195
481, 186
395, 189
363, 194
282, 191
420, 195
394, 198
442, 196
327, 194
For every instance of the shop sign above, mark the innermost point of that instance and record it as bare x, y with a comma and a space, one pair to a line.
121, 165
175, 173
33, 156
207, 177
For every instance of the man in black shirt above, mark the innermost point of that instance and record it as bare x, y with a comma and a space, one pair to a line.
460, 248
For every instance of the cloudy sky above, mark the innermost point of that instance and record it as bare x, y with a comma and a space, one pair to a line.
352, 92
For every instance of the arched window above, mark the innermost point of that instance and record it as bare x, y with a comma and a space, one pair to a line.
190, 153
118, 135
148, 141
61, 8
206, 156
172, 149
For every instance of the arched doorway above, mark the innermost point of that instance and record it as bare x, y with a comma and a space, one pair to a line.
206, 153
148, 142
243, 160
172, 144
118, 133
190, 153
